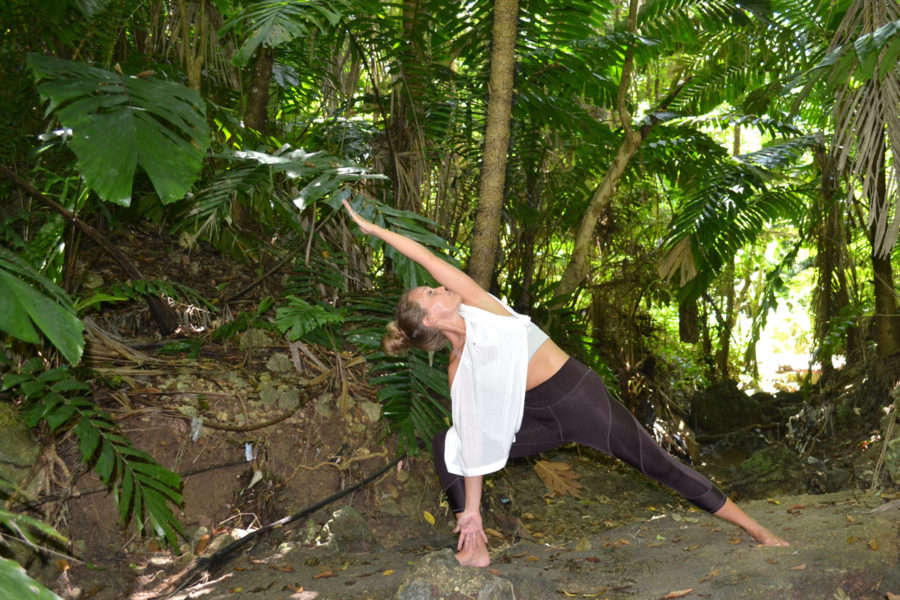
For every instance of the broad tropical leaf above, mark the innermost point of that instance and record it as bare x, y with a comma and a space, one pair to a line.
26, 309
15, 583
119, 123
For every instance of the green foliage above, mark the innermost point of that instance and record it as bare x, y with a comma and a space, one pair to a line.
120, 122
728, 210
15, 583
141, 487
138, 289
27, 527
23, 307
297, 317
246, 320
275, 22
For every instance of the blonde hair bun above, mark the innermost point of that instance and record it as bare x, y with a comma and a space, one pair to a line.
395, 342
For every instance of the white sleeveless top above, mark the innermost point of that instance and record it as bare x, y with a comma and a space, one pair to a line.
488, 393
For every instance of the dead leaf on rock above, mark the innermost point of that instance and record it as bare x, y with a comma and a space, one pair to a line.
713, 573
324, 574
558, 477
493, 533
677, 594
283, 568
873, 544
795, 509
734, 540
799, 567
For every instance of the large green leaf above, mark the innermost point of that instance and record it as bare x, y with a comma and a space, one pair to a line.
119, 123
22, 307
15, 583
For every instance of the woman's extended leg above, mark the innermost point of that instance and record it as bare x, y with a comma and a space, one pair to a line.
583, 411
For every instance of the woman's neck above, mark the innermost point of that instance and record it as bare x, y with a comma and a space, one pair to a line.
455, 331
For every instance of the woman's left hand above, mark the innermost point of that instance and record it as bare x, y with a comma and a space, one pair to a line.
470, 529
367, 227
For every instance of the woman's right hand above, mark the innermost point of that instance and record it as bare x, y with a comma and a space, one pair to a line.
367, 227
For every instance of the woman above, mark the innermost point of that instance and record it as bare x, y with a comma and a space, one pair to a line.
498, 359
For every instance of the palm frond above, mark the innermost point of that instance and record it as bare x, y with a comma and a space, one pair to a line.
729, 209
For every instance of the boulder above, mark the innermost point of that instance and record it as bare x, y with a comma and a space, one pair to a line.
18, 449
438, 576
346, 531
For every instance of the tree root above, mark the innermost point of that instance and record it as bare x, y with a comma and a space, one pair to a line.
205, 567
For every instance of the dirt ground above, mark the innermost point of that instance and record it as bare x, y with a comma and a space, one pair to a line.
625, 537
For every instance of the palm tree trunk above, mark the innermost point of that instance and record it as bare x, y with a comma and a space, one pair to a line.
258, 98
887, 321
496, 142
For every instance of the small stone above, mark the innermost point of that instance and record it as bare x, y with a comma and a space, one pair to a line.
280, 363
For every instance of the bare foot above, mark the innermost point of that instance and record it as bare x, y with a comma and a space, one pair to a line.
476, 557
767, 538
731, 513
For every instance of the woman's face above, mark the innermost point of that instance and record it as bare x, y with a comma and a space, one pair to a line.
438, 303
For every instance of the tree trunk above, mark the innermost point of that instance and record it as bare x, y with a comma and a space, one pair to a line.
496, 142
725, 327
193, 42
832, 291
887, 324
689, 322
258, 98
579, 262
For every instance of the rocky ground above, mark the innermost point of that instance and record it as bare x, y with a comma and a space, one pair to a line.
310, 423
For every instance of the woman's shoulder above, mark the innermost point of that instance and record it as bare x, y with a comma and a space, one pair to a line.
490, 304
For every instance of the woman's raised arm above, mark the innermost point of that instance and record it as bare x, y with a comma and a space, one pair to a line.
443, 272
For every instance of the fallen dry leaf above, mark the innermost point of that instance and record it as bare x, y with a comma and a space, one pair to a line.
429, 518
677, 594
532, 558
713, 573
873, 544
795, 509
494, 572
851, 519
388, 572
283, 568
324, 574
558, 477
493, 532
772, 561
799, 567
734, 540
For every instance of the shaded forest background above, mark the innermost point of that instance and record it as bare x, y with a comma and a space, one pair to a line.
647, 180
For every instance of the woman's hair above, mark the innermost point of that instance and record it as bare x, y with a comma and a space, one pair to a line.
407, 330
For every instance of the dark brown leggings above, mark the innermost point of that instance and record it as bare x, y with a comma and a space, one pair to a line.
574, 406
